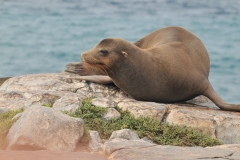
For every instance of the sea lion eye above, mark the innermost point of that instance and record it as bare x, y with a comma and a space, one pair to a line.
104, 52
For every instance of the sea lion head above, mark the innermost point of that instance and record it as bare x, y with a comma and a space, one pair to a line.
107, 54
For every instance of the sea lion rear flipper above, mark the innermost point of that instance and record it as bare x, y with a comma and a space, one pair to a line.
213, 96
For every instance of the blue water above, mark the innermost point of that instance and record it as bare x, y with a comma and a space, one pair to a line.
40, 36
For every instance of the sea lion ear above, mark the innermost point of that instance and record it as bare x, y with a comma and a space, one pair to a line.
124, 53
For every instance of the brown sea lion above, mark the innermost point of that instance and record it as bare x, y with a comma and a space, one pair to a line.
169, 65
2, 80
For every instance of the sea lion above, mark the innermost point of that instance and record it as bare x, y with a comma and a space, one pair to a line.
2, 80
169, 65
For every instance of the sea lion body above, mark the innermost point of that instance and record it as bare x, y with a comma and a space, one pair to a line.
161, 71
167, 66
175, 61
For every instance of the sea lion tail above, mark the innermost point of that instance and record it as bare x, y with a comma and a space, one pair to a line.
213, 96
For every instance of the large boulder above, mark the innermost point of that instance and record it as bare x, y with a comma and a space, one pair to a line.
45, 128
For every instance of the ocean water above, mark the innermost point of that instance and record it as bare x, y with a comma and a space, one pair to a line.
42, 36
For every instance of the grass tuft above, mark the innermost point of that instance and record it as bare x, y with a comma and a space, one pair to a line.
5, 124
47, 105
164, 134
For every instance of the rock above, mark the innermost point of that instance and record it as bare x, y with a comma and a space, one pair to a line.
45, 128
48, 155
95, 142
66, 93
147, 139
12, 104
107, 91
104, 102
138, 108
193, 118
120, 143
231, 147
43, 98
124, 134
111, 113
69, 103
124, 138
172, 153
41, 82
3, 110
203, 101
17, 116
223, 125
12, 95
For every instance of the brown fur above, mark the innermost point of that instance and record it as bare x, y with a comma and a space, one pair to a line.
2, 80
168, 65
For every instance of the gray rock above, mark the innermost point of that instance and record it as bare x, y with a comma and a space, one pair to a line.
120, 143
231, 147
217, 123
193, 118
36, 82
3, 110
111, 113
95, 142
104, 102
203, 101
43, 98
138, 108
10, 95
107, 91
69, 103
12, 104
171, 153
147, 139
124, 134
45, 128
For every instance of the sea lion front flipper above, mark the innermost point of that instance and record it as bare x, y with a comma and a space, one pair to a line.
95, 78
82, 69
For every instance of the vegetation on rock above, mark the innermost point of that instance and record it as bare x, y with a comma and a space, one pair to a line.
6, 122
47, 105
164, 134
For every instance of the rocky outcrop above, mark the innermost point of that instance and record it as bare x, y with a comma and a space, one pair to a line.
126, 145
172, 153
45, 128
66, 93
217, 123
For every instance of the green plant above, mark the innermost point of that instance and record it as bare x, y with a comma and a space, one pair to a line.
164, 134
47, 105
5, 123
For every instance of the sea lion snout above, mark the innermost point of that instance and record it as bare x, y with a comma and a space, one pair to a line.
95, 57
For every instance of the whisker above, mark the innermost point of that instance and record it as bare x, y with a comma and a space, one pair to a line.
109, 69
104, 70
